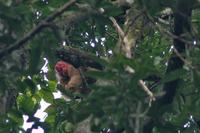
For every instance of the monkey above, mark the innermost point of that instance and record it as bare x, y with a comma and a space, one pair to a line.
68, 76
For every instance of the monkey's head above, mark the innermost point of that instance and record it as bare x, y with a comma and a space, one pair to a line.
62, 68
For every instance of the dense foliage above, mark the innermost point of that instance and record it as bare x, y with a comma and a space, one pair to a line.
151, 40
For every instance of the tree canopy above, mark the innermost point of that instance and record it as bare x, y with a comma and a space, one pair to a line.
144, 56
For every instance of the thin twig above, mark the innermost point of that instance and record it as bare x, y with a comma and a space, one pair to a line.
177, 37
35, 30
184, 60
118, 28
121, 34
149, 93
137, 119
143, 114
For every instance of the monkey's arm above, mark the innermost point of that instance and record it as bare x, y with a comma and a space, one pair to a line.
75, 78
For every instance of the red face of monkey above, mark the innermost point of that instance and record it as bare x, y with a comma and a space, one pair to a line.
62, 70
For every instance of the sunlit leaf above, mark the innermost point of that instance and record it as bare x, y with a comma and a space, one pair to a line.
26, 104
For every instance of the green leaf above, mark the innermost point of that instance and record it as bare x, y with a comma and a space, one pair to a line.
51, 110
30, 84
7, 39
52, 85
101, 74
15, 116
196, 78
36, 51
69, 127
26, 104
50, 119
46, 95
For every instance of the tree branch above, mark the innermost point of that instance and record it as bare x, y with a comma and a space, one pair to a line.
118, 28
79, 58
137, 119
186, 62
146, 89
35, 30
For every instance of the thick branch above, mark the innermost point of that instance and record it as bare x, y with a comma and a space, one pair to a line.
35, 30
78, 58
